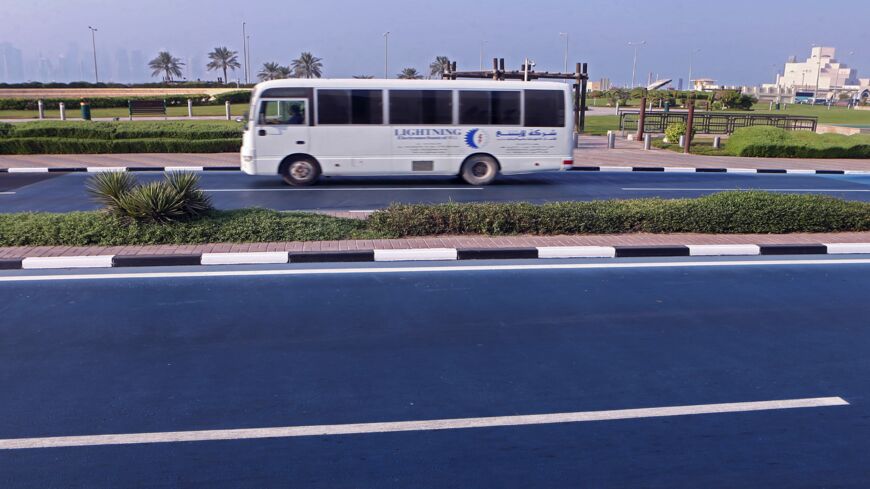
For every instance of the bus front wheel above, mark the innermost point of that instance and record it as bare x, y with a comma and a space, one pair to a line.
479, 170
300, 172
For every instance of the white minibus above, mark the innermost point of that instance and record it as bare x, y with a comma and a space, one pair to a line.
303, 128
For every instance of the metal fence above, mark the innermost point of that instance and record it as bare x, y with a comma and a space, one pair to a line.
714, 122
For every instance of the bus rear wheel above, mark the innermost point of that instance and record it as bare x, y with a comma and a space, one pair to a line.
479, 170
300, 172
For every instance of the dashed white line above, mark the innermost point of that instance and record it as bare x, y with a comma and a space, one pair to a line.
422, 425
338, 189
7, 193
699, 189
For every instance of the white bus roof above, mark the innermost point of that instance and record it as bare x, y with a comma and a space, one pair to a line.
375, 83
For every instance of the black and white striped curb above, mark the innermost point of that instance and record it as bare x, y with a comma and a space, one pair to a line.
429, 254
668, 169
680, 169
99, 169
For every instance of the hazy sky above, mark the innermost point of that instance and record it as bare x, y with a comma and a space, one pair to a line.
740, 40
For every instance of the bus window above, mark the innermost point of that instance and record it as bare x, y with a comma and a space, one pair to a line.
545, 108
415, 107
350, 107
282, 112
485, 108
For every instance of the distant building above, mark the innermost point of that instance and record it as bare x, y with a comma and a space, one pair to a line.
821, 72
600, 85
704, 85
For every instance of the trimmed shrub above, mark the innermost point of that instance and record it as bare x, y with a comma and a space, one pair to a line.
25, 146
176, 198
236, 97
767, 141
727, 212
674, 131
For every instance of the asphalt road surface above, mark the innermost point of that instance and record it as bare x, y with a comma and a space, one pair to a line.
67, 192
754, 372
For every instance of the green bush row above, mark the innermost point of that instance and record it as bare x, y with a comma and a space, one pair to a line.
239, 226
774, 142
53, 145
728, 212
234, 97
125, 130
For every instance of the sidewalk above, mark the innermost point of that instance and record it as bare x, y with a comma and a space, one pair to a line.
476, 242
592, 151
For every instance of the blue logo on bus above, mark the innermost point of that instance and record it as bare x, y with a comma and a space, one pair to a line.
476, 138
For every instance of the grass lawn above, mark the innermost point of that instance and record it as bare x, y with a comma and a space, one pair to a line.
123, 113
834, 115
598, 125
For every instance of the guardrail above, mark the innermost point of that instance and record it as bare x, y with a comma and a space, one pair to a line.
714, 122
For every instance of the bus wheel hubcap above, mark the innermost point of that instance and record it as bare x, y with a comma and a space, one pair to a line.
480, 169
300, 170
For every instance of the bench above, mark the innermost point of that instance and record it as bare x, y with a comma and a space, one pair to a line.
146, 107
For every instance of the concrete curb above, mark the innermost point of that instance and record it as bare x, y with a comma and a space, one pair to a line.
430, 254
681, 169
99, 169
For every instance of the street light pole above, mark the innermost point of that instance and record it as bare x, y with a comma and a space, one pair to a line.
94, 45
386, 54
691, 54
482, 42
248, 59
245, 50
566, 49
636, 45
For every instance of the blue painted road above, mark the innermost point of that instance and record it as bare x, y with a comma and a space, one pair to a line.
234, 190
133, 355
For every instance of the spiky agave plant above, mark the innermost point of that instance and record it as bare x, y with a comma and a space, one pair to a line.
109, 187
153, 202
186, 184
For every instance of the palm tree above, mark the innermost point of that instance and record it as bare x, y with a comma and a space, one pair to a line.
166, 64
307, 66
272, 71
439, 66
409, 74
221, 59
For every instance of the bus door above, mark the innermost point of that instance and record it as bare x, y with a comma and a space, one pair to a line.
282, 128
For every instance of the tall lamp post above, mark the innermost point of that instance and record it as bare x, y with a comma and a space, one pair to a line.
482, 42
248, 59
94, 45
386, 54
636, 46
244, 50
566, 49
691, 55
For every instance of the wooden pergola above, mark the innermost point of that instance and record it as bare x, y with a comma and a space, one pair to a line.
527, 73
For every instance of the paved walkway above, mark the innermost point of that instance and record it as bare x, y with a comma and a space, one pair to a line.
593, 151
637, 239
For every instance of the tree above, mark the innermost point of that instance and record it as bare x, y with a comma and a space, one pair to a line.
307, 66
409, 74
439, 66
166, 64
273, 71
221, 59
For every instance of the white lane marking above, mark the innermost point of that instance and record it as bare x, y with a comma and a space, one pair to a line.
7, 193
576, 252
430, 269
847, 248
421, 425
725, 250
362, 211
699, 189
336, 189
268, 257
27, 170
43, 262
431, 254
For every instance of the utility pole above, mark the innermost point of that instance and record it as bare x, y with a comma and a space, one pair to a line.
566, 49
482, 42
244, 50
248, 60
386, 54
94, 45
636, 45
691, 54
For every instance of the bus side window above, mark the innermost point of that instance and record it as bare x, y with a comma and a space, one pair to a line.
281, 112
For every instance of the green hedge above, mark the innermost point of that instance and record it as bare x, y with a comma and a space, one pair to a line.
727, 212
99, 102
774, 142
99, 228
27, 146
127, 130
235, 97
